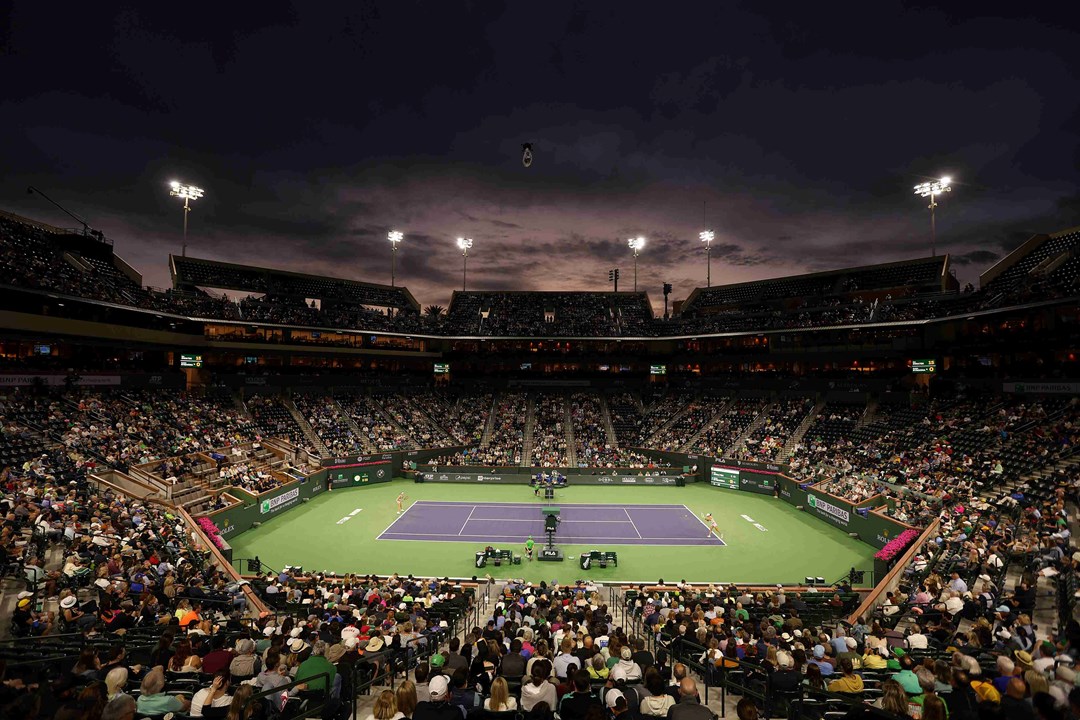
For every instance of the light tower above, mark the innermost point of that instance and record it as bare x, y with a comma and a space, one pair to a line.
707, 237
394, 237
931, 190
636, 244
464, 244
187, 193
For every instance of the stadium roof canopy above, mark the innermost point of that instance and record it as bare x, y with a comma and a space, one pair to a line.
189, 272
919, 276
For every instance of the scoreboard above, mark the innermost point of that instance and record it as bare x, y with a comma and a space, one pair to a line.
923, 366
724, 477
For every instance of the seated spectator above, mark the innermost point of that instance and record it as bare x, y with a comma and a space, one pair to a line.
538, 689
500, 699
152, 701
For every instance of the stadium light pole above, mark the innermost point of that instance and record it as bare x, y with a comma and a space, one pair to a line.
464, 244
636, 244
187, 193
394, 237
931, 190
707, 237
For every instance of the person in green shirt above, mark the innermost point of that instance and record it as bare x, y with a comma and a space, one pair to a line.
529, 547
316, 664
741, 613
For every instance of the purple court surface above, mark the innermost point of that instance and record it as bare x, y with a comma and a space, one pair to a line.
582, 524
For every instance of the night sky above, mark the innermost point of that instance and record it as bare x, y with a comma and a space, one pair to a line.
315, 129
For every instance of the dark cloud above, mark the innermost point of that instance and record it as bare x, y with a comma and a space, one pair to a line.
316, 128
981, 258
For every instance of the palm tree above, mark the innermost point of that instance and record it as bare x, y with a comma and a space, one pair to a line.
434, 312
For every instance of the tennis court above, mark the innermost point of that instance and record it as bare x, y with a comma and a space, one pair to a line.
581, 524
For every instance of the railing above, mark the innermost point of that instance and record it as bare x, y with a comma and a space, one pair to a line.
732, 677
892, 578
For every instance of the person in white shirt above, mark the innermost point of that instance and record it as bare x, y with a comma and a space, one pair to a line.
916, 640
538, 689
217, 695
626, 669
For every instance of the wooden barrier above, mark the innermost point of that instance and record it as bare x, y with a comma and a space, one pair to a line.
892, 578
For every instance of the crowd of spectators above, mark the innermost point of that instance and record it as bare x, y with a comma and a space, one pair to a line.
37, 259
769, 438
549, 445
698, 414
329, 422
719, 438
378, 431
591, 443
506, 445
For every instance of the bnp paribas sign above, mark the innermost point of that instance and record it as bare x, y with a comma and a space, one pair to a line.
269, 506
827, 509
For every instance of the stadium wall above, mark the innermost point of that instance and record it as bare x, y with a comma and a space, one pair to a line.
872, 528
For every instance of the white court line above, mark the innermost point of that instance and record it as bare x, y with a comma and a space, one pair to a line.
354, 512
612, 541
459, 503
561, 522
467, 520
395, 521
632, 524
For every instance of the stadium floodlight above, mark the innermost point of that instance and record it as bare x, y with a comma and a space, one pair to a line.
636, 244
187, 193
464, 244
707, 236
931, 190
394, 237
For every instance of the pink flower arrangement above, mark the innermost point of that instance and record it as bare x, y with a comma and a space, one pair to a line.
895, 547
211, 530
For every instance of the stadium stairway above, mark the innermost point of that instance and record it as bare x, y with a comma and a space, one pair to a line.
740, 442
530, 425
568, 425
351, 424
485, 439
717, 416
650, 441
605, 415
869, 415
800, 432
309, 432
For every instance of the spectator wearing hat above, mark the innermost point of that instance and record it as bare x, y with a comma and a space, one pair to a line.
73, 616
438, 707
626, 669
822, 660
30, 622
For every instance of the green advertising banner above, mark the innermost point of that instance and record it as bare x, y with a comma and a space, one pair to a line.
232, 521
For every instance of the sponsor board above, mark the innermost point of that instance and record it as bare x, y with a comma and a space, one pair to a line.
57, 379
285, 498
827, 510
446, 477
1048, 388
